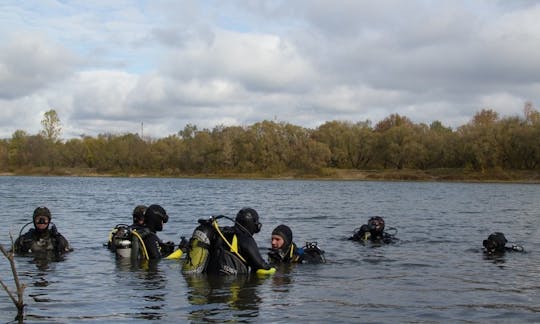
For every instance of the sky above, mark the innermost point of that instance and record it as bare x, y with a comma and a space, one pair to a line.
153, 67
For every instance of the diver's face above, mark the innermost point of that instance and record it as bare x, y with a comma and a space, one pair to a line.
492, 246
375, 226
42, 222
277, 242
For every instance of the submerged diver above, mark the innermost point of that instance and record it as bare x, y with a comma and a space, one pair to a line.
373, 231
284, 250
41, 238
226, 250
496, 244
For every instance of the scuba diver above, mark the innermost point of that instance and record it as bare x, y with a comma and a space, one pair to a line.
374, 231
120, 236
284, 250
41, 238
139, 240
154, 218
495, 244
227, 250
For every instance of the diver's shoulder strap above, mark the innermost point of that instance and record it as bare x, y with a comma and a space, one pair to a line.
137, 244
233, 246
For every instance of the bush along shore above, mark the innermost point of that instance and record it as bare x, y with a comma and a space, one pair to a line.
488, 148
445, 175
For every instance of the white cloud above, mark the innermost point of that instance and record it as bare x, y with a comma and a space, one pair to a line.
108, 66
29, 63
257, 62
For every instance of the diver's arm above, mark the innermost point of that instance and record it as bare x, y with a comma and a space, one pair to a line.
62, 244
18, 246
23, 244
359, 235
250, 251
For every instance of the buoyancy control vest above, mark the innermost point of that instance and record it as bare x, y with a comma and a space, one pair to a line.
212, 249
198, 249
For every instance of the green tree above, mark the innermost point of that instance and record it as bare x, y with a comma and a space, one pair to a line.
17, 149
398, 143
4, 160
73, 153
269, 147
351, 144
479, 141
304, 153
52, 129
439, 143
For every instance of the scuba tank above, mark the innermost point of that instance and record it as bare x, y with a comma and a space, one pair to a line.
198, 249
311, 253
121, 240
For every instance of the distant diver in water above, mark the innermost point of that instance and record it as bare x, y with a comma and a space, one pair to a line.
43, 238
496, 244
374, 231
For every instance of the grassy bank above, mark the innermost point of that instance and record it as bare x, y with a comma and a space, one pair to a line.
496, 175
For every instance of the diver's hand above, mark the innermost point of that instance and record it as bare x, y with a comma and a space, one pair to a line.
274, 255
184, 244
167, 248
54, 231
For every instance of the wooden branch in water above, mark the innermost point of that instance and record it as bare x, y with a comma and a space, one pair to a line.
18, 301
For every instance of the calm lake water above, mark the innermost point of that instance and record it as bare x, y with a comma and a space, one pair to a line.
435, 273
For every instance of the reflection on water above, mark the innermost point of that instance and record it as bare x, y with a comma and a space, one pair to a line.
436, 272
145, 276
220, 295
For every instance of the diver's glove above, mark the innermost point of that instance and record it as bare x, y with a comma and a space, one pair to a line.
24, 245
517, 248
275, 256
167, 248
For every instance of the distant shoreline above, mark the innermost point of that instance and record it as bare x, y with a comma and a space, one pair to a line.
435, 175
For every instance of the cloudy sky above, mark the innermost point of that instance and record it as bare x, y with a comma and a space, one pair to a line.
107, 66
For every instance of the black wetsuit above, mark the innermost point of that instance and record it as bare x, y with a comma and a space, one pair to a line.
152, 244
364, 234
45, 241
223, 261
289, 254
310, 253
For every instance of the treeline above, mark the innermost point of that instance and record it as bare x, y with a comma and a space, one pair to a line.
275, 148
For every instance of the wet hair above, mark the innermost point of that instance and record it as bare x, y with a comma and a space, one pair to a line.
138, 213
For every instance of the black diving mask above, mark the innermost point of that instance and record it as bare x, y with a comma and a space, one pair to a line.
42, 220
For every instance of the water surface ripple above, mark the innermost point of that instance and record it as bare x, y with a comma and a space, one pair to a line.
435, 273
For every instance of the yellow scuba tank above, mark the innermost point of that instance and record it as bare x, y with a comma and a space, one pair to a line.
198, 248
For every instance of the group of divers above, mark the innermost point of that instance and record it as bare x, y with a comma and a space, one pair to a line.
212, 249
